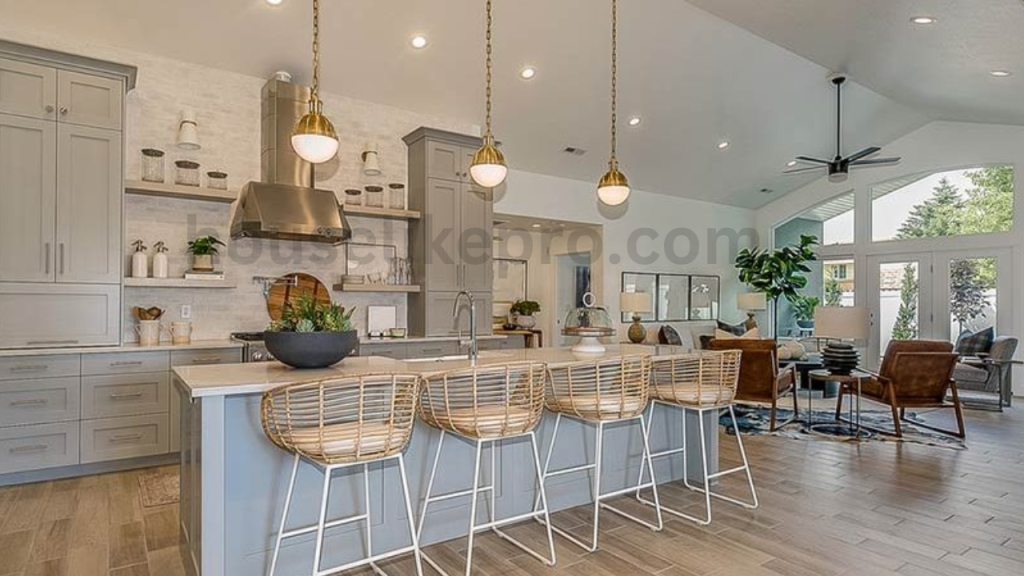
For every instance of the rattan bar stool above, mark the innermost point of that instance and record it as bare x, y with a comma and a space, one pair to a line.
699, 382
341, 423
601, 393
485, 405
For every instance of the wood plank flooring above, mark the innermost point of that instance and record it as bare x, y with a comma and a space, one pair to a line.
827, 509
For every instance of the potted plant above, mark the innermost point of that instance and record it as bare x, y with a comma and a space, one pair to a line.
202, 250
523, 311
803, 310
312, 334
777, 273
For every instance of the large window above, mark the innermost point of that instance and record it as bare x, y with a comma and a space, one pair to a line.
940, 204
830, 222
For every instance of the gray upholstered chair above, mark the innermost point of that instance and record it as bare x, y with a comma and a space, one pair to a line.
989, 373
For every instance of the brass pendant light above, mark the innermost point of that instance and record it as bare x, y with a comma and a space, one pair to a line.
614, 187
314, 138
489, 168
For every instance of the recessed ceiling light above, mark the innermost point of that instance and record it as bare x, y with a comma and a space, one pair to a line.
274, 2
924, 20
1000, 73
791, 163
528, 72
635, 121
536, 225
417, 41
723, 145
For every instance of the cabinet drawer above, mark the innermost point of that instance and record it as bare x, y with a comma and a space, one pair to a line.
204, 357
39, 401
129, 437
395, 351
492, 344
125, 395
24, 367
59, 315
33, 447
125, 363
432, 349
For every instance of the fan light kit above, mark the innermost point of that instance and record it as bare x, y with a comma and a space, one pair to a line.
839, 167
613, 189
314, 138
488, 168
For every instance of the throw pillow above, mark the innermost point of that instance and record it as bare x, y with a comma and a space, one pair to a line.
735, 330
705, 341
668, 335
753, 334
977, 343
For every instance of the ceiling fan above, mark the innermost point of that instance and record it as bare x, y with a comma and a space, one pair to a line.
839, 167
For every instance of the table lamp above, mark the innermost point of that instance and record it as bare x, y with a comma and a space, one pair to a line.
835, 324
751, 302
637, 303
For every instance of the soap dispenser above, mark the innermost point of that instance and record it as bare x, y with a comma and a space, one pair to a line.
160, 260
140, 262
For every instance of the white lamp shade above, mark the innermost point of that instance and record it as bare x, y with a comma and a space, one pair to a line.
488, 175
613, 195
188, 131
314, 148
371, 162
852, 323
636, 302
751, 301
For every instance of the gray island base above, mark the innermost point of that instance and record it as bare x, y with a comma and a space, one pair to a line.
234, 481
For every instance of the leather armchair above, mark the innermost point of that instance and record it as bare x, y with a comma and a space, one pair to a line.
761, 380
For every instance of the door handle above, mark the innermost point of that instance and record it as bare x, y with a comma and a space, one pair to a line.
61, 257
46, 258
64, 110
48, 108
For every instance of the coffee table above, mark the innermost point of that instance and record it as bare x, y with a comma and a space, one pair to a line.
851, 381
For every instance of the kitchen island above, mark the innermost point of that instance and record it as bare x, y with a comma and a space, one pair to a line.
233, 480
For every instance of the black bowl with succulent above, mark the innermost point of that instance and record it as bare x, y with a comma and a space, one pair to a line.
312, 334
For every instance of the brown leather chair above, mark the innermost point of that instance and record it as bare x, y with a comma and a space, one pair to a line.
914, 374
761, 380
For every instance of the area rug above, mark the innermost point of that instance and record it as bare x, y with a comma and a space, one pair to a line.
754, 421
159, 488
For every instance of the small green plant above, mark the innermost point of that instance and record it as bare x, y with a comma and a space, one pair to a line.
310, 315
204, 246
803, 307
526, 307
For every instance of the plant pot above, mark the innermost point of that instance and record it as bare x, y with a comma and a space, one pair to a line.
525, 322
805, 324
311, 349
202, 262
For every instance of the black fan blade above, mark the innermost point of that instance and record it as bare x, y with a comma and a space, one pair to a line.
802, 170
864, 154
876, 162
810, 160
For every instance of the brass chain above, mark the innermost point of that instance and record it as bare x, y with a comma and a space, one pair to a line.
613, 162
315, 92
487, 134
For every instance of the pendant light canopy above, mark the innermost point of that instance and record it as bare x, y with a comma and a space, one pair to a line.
614, 187
489, 168
314, 138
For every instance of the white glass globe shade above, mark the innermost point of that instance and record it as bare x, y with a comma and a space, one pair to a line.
613, 195
314, 148
489, 175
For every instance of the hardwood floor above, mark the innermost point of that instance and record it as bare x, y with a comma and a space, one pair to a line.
827, 508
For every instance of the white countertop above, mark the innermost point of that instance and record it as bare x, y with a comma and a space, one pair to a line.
256, 378
128, 347
367, 341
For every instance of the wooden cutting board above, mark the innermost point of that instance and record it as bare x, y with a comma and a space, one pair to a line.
282, 294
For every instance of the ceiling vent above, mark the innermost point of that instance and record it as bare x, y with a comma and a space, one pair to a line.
574, 151
767, 191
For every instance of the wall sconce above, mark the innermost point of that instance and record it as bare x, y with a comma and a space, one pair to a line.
371, 160
188, 131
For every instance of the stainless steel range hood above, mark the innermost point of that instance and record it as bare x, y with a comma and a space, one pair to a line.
285, 204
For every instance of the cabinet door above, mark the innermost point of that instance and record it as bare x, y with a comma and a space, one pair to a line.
467, 163
28, 198
27, 89
441, 252
89, 190
476, 244
89, 100
442, 322
55, 315
445, 161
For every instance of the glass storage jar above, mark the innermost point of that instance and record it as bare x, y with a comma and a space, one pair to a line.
353, 197
375, 196
217, 180
396, 196
187, 173
152, 165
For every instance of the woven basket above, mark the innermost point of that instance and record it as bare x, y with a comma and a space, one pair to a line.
703, 379
611, 389
342, 420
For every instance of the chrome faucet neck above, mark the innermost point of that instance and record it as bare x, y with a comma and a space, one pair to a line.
474, 350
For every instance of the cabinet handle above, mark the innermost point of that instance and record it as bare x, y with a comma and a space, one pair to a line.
46, 257
33, 368
51, 342
30, 448
48, 108
27, 403
126, 438
126, 363
213, 360
61, 257
126, 395
64, 110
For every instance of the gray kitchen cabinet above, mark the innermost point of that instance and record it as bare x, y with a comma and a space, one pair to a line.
38, 446
442, 265
56, 315
28, 198
445, 161
89, 100
42, 401
126, 437
89, 192
28, 89
477, 221
442, 322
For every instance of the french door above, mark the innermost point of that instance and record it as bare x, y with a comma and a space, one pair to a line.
937, 295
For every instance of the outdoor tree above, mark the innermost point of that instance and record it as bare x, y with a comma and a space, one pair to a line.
833, 291
937, 216
966, 291
905, 327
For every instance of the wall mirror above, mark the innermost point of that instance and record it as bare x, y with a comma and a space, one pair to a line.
705, 294
673, 297
640, 282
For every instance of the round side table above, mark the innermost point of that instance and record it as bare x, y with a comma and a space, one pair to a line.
850, 381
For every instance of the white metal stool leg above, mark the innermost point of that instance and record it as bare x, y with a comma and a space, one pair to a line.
323, 520
409, 515
284, 515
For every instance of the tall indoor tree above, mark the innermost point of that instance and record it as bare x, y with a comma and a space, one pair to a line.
778, 274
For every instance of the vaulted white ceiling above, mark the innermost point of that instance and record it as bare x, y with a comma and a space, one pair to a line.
695, 78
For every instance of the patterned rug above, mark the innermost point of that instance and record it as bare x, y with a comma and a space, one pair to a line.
159, 488
754, 420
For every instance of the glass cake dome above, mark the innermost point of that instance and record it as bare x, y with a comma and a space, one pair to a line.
589, 323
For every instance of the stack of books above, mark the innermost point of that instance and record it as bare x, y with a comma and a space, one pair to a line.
203, 275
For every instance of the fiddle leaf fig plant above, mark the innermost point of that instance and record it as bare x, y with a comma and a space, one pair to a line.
779, 273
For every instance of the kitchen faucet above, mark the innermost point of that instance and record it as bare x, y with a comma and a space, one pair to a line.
473, 349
